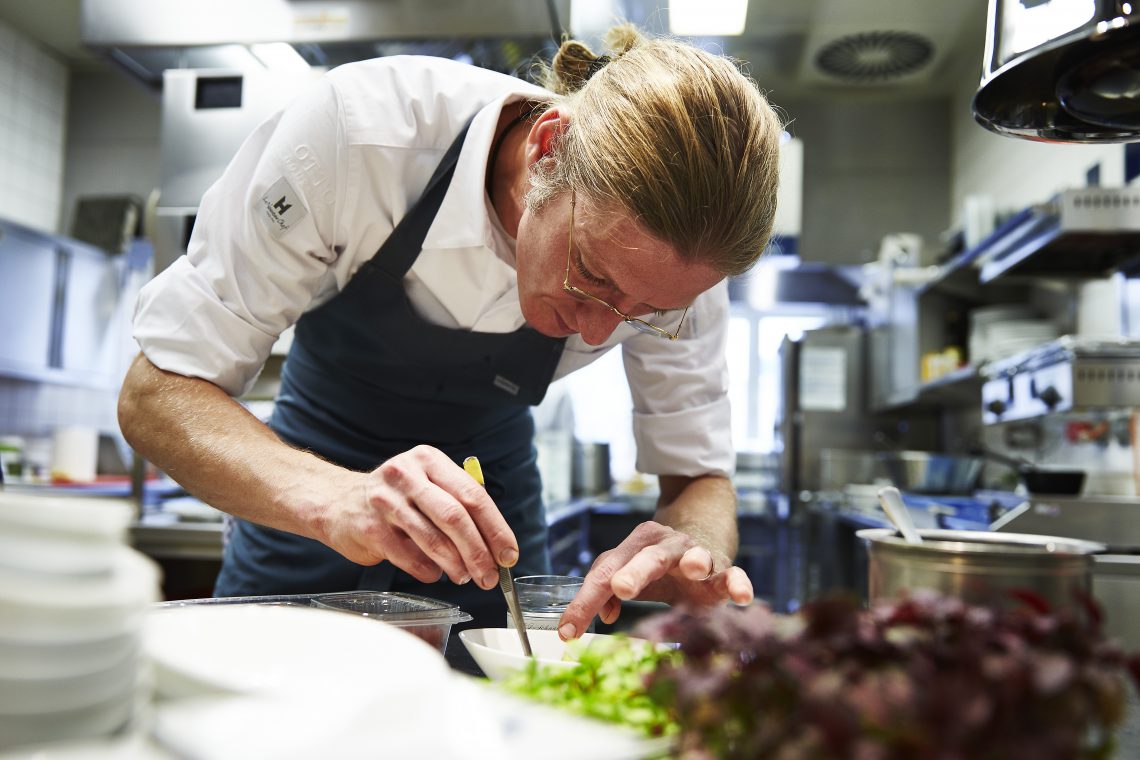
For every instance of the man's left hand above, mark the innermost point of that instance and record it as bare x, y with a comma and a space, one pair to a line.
654, 563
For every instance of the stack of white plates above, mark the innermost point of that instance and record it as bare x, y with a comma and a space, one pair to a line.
1014, 336
72, 601
980, 348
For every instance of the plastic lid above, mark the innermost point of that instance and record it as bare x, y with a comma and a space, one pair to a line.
392, 607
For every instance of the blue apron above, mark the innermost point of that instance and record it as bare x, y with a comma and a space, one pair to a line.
368, 378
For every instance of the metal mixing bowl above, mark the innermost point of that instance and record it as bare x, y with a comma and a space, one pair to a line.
932, 473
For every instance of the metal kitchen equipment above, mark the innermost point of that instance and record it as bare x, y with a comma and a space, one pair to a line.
206, 114
1114, 521
1069, 374
979, 567
590, 469
1092, 231
1040, 480
1061, 71
824, 403
146, 37
1116, 585
1111, 520
929, 472
840, 468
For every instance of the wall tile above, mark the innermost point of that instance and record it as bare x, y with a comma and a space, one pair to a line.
33, 98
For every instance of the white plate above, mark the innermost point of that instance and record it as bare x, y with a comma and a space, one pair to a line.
62, 554
102, 718
34, 658
94, 518
50, 608
281, 650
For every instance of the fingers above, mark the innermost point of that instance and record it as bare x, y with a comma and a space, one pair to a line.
697, 564
491, 532
739, 586
446, 514
611, 610
594, 596
404, 553
652, 563
733, 583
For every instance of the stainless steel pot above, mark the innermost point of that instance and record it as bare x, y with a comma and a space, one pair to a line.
979, 567
590, 469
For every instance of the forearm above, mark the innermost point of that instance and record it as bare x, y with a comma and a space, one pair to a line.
218, 451
704, 508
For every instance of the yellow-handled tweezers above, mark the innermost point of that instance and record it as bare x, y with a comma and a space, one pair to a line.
506, 583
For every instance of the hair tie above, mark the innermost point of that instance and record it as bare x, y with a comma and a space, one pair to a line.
594, 66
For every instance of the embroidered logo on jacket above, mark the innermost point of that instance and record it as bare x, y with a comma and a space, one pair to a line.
283, 207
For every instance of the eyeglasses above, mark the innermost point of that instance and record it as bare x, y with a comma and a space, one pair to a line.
638, 324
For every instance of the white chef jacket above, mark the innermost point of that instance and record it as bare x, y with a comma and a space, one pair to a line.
313, 193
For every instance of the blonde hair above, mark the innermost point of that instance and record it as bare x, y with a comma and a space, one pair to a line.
678, 137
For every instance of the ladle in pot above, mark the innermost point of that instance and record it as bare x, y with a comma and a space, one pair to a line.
893, 505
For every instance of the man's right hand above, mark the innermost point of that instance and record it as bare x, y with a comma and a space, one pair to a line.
423, 513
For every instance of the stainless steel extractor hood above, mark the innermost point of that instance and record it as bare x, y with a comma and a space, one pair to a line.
1062, 70
146, 37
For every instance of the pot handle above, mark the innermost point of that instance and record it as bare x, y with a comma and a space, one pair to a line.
1017, 463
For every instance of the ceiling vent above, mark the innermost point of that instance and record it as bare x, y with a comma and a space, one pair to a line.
881, 43
874, 57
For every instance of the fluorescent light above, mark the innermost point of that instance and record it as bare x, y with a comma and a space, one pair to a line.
591, 18
278, 56
707, 18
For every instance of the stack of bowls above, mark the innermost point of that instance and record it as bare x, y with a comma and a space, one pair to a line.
72, 601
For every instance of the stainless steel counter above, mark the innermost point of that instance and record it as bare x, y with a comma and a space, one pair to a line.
179, 540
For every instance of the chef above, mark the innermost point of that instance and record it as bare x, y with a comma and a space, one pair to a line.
447, 241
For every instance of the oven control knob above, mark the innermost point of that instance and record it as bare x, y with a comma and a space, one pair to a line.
1050, 397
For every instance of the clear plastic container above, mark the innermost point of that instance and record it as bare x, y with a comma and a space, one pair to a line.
284, 600
543, 599
429, 619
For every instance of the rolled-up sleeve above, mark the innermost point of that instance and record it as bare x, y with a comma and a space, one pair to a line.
681, 412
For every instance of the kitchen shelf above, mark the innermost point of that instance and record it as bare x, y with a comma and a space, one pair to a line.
961, 387
1091, 232
961, 275
1085, 233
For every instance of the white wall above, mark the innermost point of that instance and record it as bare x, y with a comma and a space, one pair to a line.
33, 105
871, 167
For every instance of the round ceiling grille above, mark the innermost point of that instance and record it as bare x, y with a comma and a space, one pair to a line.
874, 56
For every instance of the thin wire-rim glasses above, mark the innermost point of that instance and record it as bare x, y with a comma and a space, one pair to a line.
635, 322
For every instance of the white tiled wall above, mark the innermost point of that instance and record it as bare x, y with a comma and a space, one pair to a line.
33, 105
34, 409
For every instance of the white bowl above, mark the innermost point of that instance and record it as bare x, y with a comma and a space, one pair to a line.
499, 652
